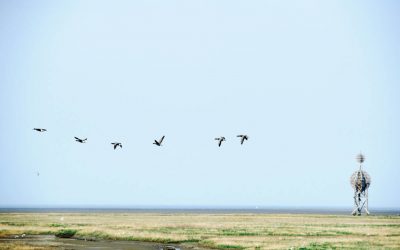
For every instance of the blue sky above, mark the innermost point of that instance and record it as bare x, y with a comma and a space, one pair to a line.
312, 83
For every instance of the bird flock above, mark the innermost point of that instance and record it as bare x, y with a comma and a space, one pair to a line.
156, 142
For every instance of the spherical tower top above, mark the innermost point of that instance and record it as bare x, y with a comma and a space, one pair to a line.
360, 158
360, 179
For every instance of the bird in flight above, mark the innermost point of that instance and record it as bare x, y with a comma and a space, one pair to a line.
80, 140
221, 139
244, 137
158, 143
116, 144
37, 173
40, 129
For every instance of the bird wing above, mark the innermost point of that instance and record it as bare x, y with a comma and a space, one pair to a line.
239, 136
77, 138
162, 138
220, 142
115, 146
120, 145
242, 140
216, 139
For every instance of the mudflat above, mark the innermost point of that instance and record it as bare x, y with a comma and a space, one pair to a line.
199, 230
52, 242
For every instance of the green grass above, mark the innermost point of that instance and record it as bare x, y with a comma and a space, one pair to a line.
104, 236
237, 232
66, 233
318, 246
56, 225
229, 247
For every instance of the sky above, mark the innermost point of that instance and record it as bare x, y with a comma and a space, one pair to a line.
312, 83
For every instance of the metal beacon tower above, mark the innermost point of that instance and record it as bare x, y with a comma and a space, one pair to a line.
360, 181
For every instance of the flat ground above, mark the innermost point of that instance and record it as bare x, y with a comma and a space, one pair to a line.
221, 231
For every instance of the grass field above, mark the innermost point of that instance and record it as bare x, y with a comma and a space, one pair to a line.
220, 231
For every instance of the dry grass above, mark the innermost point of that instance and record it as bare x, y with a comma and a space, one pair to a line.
223, 231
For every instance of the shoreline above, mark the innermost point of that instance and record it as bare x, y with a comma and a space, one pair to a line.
294, 211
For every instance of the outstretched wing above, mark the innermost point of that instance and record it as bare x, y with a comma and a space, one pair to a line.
216, 139
220, 142
242, 140
162, 138
76, 138
239, 136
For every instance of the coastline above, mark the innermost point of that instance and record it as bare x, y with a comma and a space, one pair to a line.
205, 210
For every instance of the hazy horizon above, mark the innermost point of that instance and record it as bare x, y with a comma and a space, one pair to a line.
189, 207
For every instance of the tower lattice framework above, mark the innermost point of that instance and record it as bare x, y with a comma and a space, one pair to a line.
360, 181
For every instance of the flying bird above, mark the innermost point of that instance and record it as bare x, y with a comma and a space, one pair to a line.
244, 137
116, 144
40, 129
37, 173
221, 139
80, 140
158, 143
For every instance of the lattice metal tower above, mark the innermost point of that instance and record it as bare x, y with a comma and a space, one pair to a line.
360, 181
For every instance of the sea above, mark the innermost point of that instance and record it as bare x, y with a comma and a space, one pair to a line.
203, 210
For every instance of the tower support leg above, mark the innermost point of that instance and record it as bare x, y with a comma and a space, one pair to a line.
356, 210
366, 202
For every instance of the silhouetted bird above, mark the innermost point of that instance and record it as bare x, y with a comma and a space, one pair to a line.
221, 139
158, 143
37, 173
80, 140
116, 144
40, 129
244, 137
